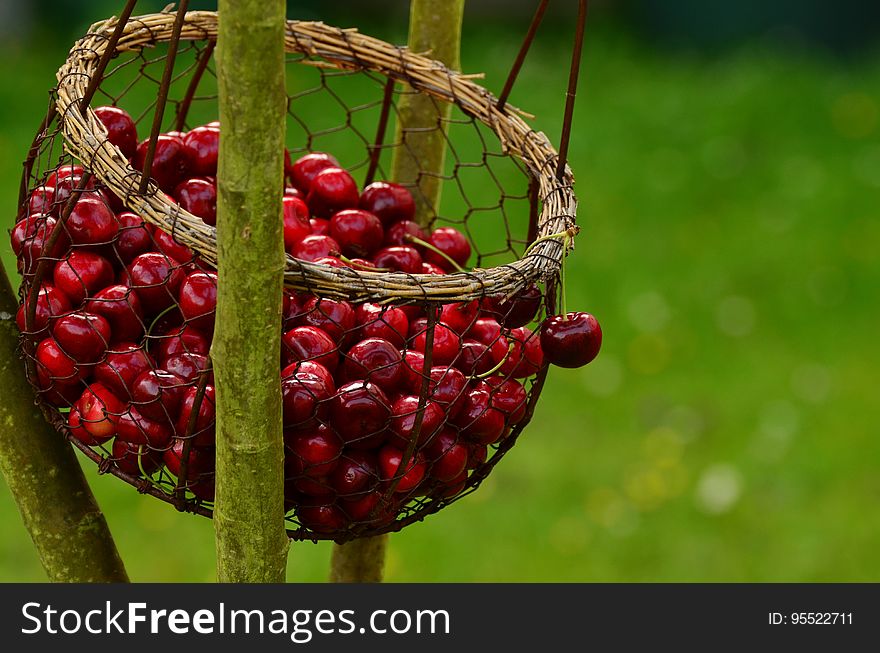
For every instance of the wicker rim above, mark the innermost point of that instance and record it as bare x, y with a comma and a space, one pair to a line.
86, 139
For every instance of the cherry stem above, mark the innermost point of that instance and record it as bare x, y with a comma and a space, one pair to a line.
361, 266
418, 241
497, 367
567, 236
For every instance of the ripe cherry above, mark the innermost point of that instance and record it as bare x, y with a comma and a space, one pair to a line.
311, 368
332, 190
312, 248
452, 243
375, 360
460, 316
446, 346
98, 411
446, 456
51, 303
157, 394
120, 306
475, 358
121, 366
42, 200
136, 429
296, 221
509, 396
305, 399
199, 197
525, 357
82, 273
571, 340
404, 413
198, 300
390, 460
478, 420
187, 365
304, 170
55, 366
387, 322
359, 508
200, 468
356, 472
133, 238
399, 259
203, 145
180, 340
171, 161
83, 336
448, 387
359, 414
171, 247
121, 130
519, 310
400, 233
389, 202
413, 370
136, 459
308, 343
155, 279
321, 518
335, 317
316, 451
358, 232
202, 433
320, 226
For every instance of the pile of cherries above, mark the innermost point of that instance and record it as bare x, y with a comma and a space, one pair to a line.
124, 318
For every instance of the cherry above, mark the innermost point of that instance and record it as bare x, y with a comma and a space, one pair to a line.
200, 468
447, 456
42, 200
486, 330
356, 471
55, 366
320, 226
332, 262
203, 433
312, 248
477, 455
294, 310
390, 460
399, 259
168, 245
29, 235
311, 368
292, 191
332, 190
446, 346
460, 315
387, 322
155, 279
309, 343
447, 387
452, 243
66, 186
571, 340
134, 237
359, 508
508, 396
133, 458
400, 232
335, 317
184, 339
359, 414
525, 357
136, 429
120, 306
171, 161
296, 221
62, 173
199, 197
83, 336
198, 300
203, 145
51, 303
316, 452
98, 411
121, 130
389, 202
157, 394
55, 393
478, 420
124, 363
451, 488
414, 370
358, 232
187, 365
305, 397
303, 172
404, 412
518, 310
322, 518
430, 268
475, 358
375, 360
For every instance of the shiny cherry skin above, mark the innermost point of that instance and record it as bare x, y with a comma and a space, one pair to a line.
317, 450
477, 455
186, 338
296, 221
404, 412
155, 278
198, 300
120, 306
321, 518
320, 226
389, 202
187, 365
122, 365
157, 395
475, 358
509, 396
99, 411
83, 336
446, 347
413, 371
305, 400
400, 234
451, 242
199, 197
430, 268
358, 232
447, 456
136, 459
134, 236
293, 191
200, 468
312, 248
359, 414
64, 172
51, 303
203, 433
309, 343
460, 316
399, 259
168, 245
136, 429
82, 273
360, 507
478, 420
390, 460
356, 472
304, 169
375, 360
525, 357
311, 368
571, 340
30, 239
332, 190
387, 322
519, 310
121, 130
171, 161
447, 386
42, 200
335, 317
203, 145
55, 366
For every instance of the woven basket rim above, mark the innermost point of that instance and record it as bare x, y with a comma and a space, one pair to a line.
345, 49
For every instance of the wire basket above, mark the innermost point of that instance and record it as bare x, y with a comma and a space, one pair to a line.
136, 395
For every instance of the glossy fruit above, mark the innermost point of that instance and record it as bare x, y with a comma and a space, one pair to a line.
82, 273
304, 169
83, 336
312, 248
157, 395
359, 414
171, 247
448, 386
202, 430
519, 310
332, 190
41, 201
358, 232
171, 161
374, 360
187, 365
155, 278
399, 259
316, 451
305, 400
199, 470
185, 339
99, 411
120, 306
356, 472
121, 366
386, 322
136, 459
55, 366
203, 145
198, 300
447, 457
509, 396
460, 316
322, 518
136, 429
296, 221
525, 357
121, 130
199, 197
446, 344
478, 420
133, 238
401, 233
308, 343
404, 416
571, 340
51, 303
389, 202
390, 462
335, 317
452, 243
362, 508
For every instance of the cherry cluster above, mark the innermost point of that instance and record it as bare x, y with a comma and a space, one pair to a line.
381, 404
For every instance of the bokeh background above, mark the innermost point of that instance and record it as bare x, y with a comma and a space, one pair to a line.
727, 158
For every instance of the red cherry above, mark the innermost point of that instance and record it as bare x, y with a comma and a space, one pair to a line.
375, 360
452, 243
404, 412
203, 145
98, 411
358, 232
134, 237
83, 336
390, 460
171, 161
198, 300
335, 317
518, 310
485, 330
320, 226
120, 306
42, 200
360, 508
389, 202
29, 235
308, 343
296, 221
509, 396
321, 519
356, 472
136, 459
312, 248
65, 187
362, 264
571, 340
121, 130
155, 279
430, 268
123, 363
305, 399
317, 451
183, 339
449, 489
292, 191
448, 387
414, 370
447, 457
477, 455
82, 273
313, 369
446, 346
460, 315
51, 303
55, 366
478, 420
332, 190
399, 259
157, 394
359, 414
136, 429
387, 322
187, 365
332, 262
64, 172
203, 433
304, 170
200, 468
525, 357
168, 245
475, 358
400, 232
199, 197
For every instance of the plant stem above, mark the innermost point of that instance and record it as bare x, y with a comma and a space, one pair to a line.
359, 561
56, 504
249, 509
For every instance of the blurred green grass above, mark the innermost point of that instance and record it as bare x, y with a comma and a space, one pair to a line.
728, 430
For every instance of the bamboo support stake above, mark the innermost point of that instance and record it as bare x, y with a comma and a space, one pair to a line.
251, 540
56, 504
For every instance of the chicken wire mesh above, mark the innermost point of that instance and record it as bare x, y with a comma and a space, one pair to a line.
410, 361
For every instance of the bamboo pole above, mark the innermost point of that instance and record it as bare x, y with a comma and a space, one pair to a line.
249, 510
56, 504
435, 27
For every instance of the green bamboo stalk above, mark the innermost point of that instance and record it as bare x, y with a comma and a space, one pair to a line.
435, 27
56, 504
249, 509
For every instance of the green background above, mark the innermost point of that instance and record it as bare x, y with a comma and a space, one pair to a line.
731, 249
